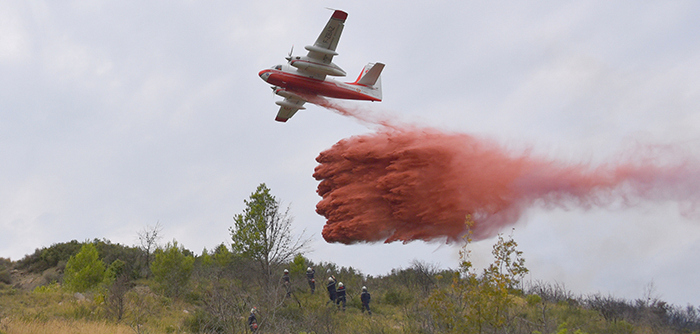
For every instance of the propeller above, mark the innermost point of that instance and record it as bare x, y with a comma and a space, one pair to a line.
289, 57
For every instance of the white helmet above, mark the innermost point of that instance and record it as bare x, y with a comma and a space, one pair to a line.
340, 284
330, 279
253, 310
308, 269
286, 271
364, 288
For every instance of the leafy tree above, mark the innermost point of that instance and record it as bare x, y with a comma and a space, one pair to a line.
172, 268
298, 266
485, 303
263, 233
508, 267
130, 257
84, 270
115, 270
204, 259
222, 256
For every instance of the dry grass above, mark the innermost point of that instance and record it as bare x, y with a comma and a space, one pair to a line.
59, 326
50, 310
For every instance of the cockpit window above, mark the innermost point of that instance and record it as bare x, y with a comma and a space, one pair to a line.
278, 67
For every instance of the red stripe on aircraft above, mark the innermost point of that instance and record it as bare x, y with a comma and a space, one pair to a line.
318, 87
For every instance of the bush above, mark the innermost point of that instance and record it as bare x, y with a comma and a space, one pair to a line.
397, 297
49, 288
84, 270
115, 270
202, 322
46, 258
5, 276
131, 257
172, 268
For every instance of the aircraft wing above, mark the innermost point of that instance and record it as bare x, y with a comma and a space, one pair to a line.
288, 107
324, 48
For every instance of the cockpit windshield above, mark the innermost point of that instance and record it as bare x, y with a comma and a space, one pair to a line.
277, 67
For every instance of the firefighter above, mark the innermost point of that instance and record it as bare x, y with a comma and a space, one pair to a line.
252, 320
340, 295
310, 272
286, 283
331, 290
365, 298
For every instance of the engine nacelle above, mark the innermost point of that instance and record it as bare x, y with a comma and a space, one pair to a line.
284, 93
285, 103
318, 68
314, 48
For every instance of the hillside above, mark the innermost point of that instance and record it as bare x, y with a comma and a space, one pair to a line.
214, 292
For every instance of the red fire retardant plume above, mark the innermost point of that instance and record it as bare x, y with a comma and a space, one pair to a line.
405, 183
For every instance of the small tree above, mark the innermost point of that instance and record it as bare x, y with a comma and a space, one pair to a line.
298, 266
508, 267
115, 270
172, 268
476, 304
115, 300
84, 270
222, 256
263, 233
148, 239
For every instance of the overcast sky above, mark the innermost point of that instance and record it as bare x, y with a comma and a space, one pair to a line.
115, 115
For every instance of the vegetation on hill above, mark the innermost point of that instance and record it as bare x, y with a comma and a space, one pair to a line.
100, 287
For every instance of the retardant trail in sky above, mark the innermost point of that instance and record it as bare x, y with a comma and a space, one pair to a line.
405, 183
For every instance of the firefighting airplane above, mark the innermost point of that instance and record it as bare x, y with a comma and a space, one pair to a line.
305, 77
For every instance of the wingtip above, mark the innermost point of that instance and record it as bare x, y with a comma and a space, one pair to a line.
340, 15
282, 120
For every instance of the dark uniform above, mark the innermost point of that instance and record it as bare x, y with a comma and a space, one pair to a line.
310, 279
365, 298
287, 284
252, 322
340, 296
331, 289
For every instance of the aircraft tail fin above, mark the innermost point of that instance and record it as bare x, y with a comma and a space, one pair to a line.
371, 81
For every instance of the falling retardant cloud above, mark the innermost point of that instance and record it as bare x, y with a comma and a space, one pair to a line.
406, 183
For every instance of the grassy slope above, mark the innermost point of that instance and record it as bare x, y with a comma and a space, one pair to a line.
52, 310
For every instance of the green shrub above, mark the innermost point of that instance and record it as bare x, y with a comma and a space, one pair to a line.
49, 288
116, 269
5, 276
202, 322
48, 257
172, 268
397, 297
84, 270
